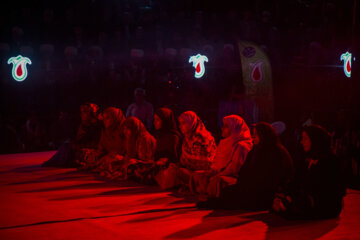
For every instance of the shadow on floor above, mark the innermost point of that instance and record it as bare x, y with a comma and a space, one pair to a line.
277, 226
96, 217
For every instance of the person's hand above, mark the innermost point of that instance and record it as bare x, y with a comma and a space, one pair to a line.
132, 161
172, 165
119, 157
278, 205
162, 161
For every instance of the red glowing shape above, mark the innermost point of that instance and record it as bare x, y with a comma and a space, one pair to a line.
256, 74
19, 70
348, 68
197, 69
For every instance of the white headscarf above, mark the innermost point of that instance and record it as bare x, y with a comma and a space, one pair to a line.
231, 151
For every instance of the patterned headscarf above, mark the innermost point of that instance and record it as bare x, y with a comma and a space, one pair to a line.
199, 147
194, 122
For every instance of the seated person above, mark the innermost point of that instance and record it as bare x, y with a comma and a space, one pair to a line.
87, 137
112, 142
319, 192
198, 148
168, 147
139, 151
230, 156
268, 165
168, 138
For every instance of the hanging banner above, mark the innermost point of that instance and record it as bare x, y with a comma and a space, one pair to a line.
257, 77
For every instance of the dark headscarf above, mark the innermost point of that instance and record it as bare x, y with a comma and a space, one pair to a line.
168, 137
267, 134
89, 132
168, 120
91, 108
320, 141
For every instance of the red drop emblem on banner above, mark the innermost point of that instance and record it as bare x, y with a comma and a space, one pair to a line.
256, 74
19, 70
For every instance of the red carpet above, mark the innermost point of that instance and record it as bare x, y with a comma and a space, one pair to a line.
47, 203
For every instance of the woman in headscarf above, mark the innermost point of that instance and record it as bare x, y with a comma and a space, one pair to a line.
168, 148
198, 148
89, 132
319, 192
167, 151
167, 136
112, 142
86, 140
139, 150
268, 165
230, 156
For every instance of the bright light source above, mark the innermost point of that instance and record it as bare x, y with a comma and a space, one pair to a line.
198, 64
346, 57
19, 70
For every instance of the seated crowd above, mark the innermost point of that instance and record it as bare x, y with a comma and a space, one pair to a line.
249, 169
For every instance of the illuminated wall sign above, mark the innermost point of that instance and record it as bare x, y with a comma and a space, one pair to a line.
19, 71
346, 57
198, 64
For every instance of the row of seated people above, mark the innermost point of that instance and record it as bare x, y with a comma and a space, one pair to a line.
246, 170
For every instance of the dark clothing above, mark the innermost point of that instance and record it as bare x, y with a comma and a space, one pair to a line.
264, 171
168, 138
319, 193
168, 146
88, 136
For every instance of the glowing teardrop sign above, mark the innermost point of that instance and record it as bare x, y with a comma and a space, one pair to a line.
198, 64
346, 57
19, 70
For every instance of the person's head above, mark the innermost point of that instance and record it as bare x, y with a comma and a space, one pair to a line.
133, 127
255, 137
225, 131
112, 117
164, 119
305, 141
188, 122
157, 122
88, 111
234, 124
139, 95
264, 134
316, 141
